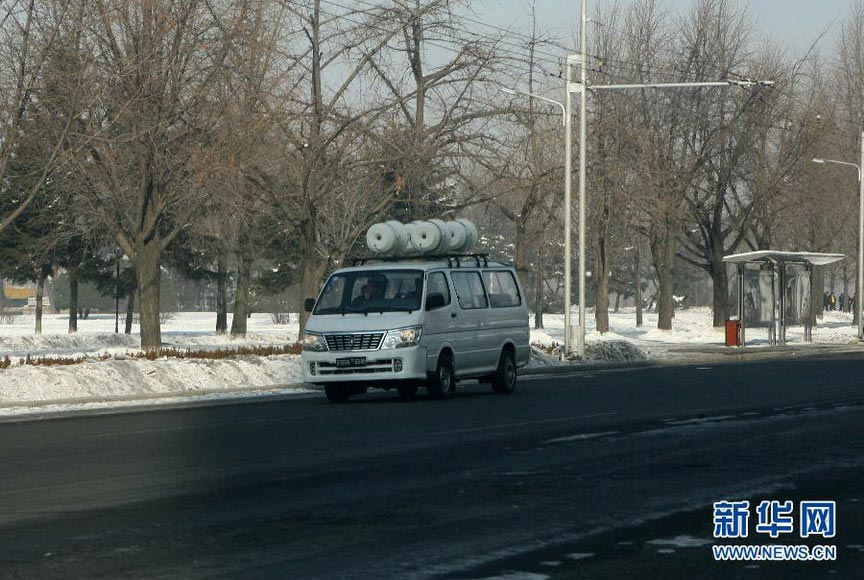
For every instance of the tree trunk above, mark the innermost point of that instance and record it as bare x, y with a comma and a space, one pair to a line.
73, 300
149, 272
663, 252
312, 269
241, 296
130, 310
520, 254
538, 298
817, 284
720, 279
617, 302
222, 296
637, 295
601, 282
40, 293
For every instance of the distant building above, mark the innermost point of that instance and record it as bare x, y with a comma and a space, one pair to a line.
18, 296
20, 299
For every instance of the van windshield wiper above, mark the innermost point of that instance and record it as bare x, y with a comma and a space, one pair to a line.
332, 310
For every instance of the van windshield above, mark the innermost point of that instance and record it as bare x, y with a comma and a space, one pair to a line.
371, 291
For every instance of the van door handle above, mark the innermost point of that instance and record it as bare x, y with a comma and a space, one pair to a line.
452, 315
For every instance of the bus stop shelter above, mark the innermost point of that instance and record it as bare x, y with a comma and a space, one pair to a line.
774, 290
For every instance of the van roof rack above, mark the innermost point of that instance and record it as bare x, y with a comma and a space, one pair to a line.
453, 260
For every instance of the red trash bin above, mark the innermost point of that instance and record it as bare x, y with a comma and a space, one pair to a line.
733, 333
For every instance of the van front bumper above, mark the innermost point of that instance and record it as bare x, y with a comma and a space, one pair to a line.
398, 364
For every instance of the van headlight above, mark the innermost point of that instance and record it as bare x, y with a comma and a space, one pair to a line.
314, 342
402, 337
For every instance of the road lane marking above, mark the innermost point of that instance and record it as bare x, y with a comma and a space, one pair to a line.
524, 424
698, 420
578, 437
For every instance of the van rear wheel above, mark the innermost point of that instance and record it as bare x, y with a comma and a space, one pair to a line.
504, 379
337, 393
443, 383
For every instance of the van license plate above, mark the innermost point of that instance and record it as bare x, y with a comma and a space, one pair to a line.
354, 361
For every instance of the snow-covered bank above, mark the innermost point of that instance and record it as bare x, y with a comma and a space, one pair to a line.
112, 378
121, 376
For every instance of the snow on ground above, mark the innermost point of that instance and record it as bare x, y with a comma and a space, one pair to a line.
691, 329
126, 378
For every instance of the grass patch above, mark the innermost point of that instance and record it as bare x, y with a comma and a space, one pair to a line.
217, 354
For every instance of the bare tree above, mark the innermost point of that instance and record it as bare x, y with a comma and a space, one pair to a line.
151, 139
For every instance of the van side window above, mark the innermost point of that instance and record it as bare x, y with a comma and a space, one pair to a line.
503, 291
437, 284
469, 290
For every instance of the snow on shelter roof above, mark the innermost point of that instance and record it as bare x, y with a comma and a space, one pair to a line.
814, 258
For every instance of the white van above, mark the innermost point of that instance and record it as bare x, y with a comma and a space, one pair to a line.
409, 323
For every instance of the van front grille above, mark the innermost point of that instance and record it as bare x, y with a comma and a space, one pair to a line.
370, 341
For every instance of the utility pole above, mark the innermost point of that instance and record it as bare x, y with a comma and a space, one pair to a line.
117, 294
582, 88
859, 299
583, 146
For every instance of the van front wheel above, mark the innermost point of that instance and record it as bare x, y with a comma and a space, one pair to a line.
443, 383
504, 379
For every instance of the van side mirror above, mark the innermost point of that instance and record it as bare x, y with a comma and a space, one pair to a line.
435, 300
309, 304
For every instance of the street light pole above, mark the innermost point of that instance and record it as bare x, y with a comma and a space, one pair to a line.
859, 282
567, 114
568, 188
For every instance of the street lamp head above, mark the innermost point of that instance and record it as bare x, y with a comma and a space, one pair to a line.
817, 160
504, 89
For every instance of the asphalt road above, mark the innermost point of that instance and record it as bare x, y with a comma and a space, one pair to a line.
597, 475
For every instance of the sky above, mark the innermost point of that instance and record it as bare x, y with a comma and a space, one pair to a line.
795, 24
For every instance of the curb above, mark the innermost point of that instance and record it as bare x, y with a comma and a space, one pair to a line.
696, 357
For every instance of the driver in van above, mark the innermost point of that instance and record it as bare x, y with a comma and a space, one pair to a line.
369, 292
363, 297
